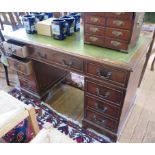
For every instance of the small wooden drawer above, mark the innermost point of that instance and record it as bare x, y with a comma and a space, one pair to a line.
20, 65
15, 48
95, 40
102, 107
94, 30
95, 20
30, 77
118, 34
118, 23
120, 15
28, 85
107, 73
101, 120
116, 44
105, 92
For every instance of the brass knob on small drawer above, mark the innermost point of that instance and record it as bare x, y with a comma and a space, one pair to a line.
94, 19
118, 22
93, 29
117, 33
115, 43
94, 39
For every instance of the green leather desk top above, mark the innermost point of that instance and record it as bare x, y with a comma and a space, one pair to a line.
75, 45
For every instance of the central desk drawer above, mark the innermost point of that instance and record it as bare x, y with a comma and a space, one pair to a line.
106, 73
21, 65
105, 92
55, 57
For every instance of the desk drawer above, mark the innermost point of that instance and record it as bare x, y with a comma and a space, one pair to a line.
105, 92
63, 60
107, 73
101, 120
118, 23
120, 15
95, 20
30, 77
69, 62
102, 107
116, 44
95, 40
28, 85
118, 34
16, 48
94, 30
20, 65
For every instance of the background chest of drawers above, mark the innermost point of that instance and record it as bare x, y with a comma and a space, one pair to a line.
115, 30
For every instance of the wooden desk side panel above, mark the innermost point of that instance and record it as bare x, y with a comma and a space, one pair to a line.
130, 93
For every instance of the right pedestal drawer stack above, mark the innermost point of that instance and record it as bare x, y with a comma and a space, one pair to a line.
104, 97
114, 30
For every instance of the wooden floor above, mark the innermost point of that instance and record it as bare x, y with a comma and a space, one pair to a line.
140, 126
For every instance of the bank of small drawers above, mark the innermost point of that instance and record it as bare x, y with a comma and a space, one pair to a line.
110, 30
104, 95
103, 104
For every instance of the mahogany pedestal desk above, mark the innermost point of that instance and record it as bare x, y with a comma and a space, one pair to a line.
111, 77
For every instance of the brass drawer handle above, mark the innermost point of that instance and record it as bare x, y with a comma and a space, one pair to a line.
115, 43
118, 22
94, 19
117, 33
104, 74
94, 39
100, 108
98, 121
42, 56
68, 65
104, 96
93, 29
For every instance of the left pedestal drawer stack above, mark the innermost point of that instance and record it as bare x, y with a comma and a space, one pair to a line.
18, 61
